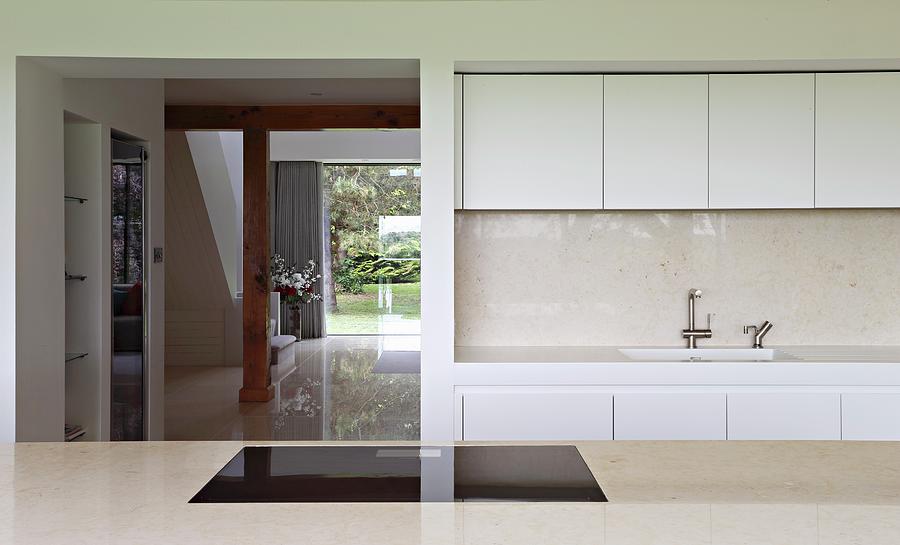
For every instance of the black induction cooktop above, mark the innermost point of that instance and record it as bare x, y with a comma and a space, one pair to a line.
306, 474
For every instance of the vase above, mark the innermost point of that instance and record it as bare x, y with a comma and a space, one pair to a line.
295, 321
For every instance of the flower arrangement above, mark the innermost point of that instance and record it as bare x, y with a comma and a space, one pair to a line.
295, 287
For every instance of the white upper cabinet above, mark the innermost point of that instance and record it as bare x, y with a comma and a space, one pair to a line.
857, 135
761, 148
457, 141
655, 141
532, 142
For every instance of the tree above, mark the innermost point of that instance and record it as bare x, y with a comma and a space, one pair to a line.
356, 196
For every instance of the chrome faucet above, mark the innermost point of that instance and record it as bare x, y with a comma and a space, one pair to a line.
692, 333
759, 332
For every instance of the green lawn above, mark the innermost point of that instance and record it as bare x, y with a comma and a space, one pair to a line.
359, 313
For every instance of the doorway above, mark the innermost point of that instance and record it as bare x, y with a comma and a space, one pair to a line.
128, 294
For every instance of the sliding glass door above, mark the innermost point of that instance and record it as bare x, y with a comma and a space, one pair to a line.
372, 215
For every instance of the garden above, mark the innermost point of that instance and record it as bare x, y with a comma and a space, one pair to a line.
372, 212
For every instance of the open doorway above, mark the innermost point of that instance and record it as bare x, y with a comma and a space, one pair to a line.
343, 204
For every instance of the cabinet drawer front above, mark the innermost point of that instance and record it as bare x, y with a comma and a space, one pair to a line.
870, 417
669, 416
784, 416
510, 416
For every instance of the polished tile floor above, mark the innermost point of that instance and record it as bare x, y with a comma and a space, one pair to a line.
332, 391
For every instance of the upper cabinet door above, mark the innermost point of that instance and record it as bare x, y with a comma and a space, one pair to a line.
655, 143
457, 141
761, 149
857, 131
532, 142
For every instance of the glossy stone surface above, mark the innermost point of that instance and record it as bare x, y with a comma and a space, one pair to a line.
612, 278
353, 473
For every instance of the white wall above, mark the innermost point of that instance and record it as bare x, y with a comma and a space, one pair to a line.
39, 255
439, 34
214, 175
233, 147
133, 107
197, 293
86, 332
392, 146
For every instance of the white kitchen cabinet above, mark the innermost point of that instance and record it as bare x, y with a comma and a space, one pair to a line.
761, 148
559, 415
784, 416
669, 416
857, 130
655, 142
532, 142
870, 417
457, 141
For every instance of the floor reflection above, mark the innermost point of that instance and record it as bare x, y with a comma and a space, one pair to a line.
337, 389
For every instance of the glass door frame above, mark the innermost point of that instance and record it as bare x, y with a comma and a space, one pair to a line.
116, 137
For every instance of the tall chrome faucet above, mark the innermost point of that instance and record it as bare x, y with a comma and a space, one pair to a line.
692, 333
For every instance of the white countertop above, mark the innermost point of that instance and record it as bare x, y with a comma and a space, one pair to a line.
612, 354
660, 492
848, 367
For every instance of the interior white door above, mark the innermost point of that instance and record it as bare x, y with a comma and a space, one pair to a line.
512, 416
655, 141
857, 130
870, 417
669, 416
784, 416
761, 140
532, 142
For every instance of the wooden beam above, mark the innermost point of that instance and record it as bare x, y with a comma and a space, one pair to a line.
257, 275
293, 118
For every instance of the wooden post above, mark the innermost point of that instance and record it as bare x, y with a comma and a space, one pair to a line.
257, 275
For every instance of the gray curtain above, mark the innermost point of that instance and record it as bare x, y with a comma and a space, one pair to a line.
297, 203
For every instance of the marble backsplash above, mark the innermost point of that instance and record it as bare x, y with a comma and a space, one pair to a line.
822, 277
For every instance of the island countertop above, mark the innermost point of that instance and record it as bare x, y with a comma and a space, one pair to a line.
659, 492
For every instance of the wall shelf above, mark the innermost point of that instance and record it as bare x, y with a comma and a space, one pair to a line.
79, 200
72, 356
73, 432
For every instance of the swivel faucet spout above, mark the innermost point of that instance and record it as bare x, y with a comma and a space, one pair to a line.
759, 332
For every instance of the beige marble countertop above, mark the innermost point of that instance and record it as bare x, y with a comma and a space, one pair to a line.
673, 493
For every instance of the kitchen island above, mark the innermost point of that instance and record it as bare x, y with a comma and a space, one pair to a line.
658, 492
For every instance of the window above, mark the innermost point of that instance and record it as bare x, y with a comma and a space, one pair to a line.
372, 213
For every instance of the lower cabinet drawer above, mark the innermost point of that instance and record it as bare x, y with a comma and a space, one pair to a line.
870, 417
784, 416
669, 416
523, 416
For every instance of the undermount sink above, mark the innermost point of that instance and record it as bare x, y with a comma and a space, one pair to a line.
702, 354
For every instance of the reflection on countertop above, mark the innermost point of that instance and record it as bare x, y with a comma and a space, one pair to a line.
660, 493
338, 388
